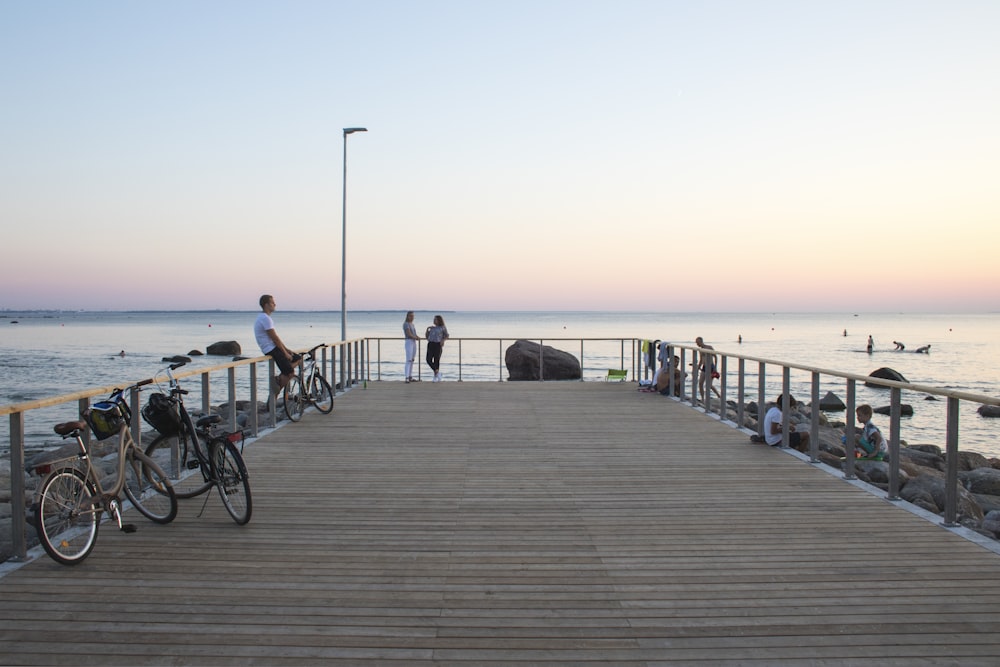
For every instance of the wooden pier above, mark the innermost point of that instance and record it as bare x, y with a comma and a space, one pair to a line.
517, 524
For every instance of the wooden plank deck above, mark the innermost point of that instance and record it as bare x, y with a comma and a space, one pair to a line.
517, 524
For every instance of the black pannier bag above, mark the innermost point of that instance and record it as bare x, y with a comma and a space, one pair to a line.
161, 413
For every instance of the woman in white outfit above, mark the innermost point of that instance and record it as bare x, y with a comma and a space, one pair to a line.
410, 332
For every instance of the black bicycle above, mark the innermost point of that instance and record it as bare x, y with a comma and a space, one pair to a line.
307, 386
184, 447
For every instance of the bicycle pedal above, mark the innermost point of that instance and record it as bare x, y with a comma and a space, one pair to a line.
128, 528
193, 464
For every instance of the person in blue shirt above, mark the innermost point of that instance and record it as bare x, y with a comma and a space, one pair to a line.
871, 441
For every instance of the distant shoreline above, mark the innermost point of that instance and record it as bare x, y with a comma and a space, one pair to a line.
10, 312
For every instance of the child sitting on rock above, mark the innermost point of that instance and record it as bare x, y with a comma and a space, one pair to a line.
871, 441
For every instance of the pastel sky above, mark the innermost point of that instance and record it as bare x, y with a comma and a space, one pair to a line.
550, 155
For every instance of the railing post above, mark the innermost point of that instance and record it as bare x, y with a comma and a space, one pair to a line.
695, 357
272, 399
459, 359
541, 360
786, 404
722, 386
500, 364
951, 466
232, 398
18, 543
761, 399
895, 411
849, 434
583, 365
740, 390
814, 419
206, 395
672, 387
254, 419
135, 406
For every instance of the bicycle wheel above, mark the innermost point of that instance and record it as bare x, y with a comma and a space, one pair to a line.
67, 516
177, 455
232, 481
320, 394
147, 486
294, 401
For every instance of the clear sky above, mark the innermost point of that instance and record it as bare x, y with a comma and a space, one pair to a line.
548, 155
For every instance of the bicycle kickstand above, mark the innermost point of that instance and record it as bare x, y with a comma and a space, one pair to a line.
115, 509
205, 504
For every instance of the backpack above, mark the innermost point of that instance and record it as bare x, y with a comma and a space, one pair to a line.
161, 413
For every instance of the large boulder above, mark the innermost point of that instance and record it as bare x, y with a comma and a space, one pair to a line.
831, 403
522, 362
885, 374
905, 409
224, 348
928, 491
981, 480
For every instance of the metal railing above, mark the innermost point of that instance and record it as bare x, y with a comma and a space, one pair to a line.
367, 359
234, 379
596, 355
700, 397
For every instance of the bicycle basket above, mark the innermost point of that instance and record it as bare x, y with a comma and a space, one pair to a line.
161, 413
105, 418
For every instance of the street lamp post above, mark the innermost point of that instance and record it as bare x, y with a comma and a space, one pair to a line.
343, 258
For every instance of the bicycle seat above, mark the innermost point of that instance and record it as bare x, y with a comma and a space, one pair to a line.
206, 421
68, 427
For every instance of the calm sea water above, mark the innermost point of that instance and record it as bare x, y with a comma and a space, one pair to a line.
50, 354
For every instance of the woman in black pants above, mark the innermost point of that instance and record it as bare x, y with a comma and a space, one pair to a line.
436, 335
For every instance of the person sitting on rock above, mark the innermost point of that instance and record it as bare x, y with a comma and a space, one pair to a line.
926, 349
772, 427
871, 442
663, 378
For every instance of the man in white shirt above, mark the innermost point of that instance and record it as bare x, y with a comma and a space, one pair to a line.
772, 427
271, 345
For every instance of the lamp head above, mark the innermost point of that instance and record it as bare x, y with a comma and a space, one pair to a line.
352, 130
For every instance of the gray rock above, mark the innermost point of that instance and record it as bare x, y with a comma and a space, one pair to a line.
991, 523
981, 480
522, 358
987, 502
905, 409
225, 348
989, 410
930, 486
922, 458
176, 359
885, 374
831, 403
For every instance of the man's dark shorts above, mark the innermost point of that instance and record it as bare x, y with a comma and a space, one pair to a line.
282, 361
794, 441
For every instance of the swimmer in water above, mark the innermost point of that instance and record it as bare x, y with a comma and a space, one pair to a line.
899, 346
926, 349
